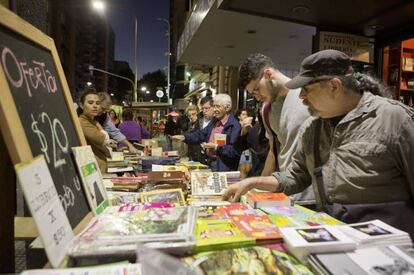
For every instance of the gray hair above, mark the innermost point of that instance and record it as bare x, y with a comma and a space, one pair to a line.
224, 99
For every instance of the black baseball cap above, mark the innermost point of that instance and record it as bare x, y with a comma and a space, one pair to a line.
319, 64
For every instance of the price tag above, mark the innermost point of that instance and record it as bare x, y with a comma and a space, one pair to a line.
44, 204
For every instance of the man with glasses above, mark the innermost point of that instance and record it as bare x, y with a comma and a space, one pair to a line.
221, 157
357, 152
283, 113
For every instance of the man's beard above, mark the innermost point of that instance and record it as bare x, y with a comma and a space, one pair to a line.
311, 110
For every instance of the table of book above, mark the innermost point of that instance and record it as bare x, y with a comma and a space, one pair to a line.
170, 218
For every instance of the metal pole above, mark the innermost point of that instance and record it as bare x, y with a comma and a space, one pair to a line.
168, 57
92, 68
136, 62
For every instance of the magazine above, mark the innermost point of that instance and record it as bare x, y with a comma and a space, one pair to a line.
172, 196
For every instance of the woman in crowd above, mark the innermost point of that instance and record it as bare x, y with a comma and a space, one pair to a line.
114, 118
95, 136
131, 130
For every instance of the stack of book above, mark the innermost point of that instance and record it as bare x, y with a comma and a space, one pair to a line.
374, 260
265, 199
118, 166
165, 180
145, 163
116, 235
375, 233
127, 183
302, 241
171, 196
194, 166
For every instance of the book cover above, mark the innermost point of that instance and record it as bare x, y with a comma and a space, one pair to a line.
156, 167
91, 178
208, 183
301, 241
257, 227
172, 196
219, 234
265, 199
112, 234
246, 260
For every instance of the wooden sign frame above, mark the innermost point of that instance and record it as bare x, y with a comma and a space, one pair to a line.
11, 125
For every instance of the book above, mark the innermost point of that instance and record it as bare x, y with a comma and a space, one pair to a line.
118, 198
374, 260
91, 178
258, 227
112, 269
301, 241
375, 233
156, 167
246, 260
265, 199
208, 183
219, 234
220, 139
304, 219
145, 163
172, 196
112, 234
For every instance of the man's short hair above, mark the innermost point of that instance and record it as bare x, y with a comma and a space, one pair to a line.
252, 68
206, 99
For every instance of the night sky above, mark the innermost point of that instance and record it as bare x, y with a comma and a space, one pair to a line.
152, 41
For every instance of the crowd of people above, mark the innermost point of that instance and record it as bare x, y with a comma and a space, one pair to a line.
328, 137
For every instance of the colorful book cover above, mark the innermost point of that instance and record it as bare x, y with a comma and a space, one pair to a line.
219, 234
257, 227
172, 196
157, 168
91, 178
208, 183
246, 260
265, 199
304, 219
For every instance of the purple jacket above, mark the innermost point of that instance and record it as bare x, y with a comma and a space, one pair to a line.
131, 130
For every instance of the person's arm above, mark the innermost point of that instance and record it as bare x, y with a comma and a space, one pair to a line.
198, 136
131, 148
405, 151
113, 132
294, 180
270, 163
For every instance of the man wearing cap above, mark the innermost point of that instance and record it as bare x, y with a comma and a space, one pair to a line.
283, 113
357, 152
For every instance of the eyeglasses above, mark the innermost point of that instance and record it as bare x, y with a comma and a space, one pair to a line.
217, 106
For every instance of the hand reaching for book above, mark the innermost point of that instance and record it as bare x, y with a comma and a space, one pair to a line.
236, 190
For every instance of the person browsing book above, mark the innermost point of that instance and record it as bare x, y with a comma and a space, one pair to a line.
104, 119
224, 128
282, 111
95, 136
357, 151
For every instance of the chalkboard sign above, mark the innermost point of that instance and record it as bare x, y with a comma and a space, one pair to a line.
37, 110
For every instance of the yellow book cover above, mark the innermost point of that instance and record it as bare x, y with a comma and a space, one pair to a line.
219, 234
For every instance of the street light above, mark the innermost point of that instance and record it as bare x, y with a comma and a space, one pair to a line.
100, 6
168, 56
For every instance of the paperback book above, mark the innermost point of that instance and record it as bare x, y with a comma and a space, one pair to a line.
301, 241
172, 196
246, 260
265, 199
208, 183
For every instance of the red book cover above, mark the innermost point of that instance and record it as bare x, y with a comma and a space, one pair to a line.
257, 227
